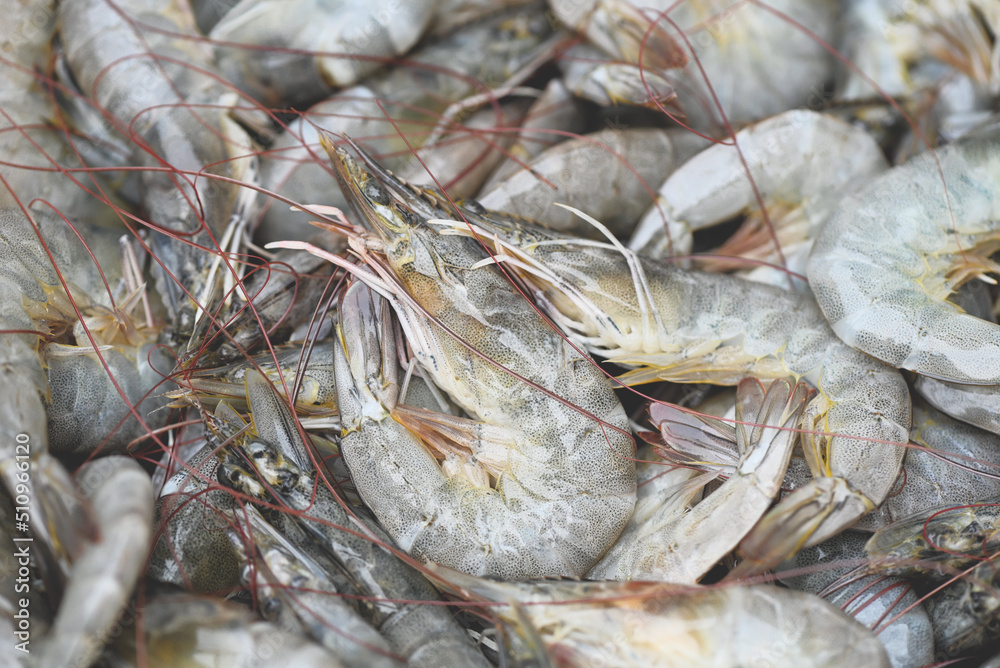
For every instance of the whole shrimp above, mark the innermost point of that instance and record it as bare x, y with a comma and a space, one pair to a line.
884, 265
626, 624
687, 326
565, 481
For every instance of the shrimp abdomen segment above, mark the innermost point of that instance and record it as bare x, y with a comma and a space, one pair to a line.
883, 267
559, 499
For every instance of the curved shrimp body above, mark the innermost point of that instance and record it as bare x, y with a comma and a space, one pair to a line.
687, 326
955, 469
664, 542
575, 165
636, 624
147, 83
102, 578
338, 43
414, 95
884, 604
565, 481
890, 256
725, 36
531, 524
830, 159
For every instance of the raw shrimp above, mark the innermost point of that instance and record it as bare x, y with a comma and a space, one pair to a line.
627, 163
802, 164
425, 634
463, 159
102, 577
592, 76
666, 543
966, 614
961, 466
977, 405
725, 36
553, 116
946, 543
317, 395
185, 630
897, 48
654, 624
284, 293
565, 480
873, 600
884, 265
194, 514
190, 546
71, 296
453, 516
299, 51
942, 540
74, 317
413, 95
686, 326
180, 118
294, 592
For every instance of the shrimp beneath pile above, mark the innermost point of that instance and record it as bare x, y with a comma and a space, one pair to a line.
565, 480
885, 264
625, 624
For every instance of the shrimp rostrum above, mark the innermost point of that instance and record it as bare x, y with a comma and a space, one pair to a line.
543, 481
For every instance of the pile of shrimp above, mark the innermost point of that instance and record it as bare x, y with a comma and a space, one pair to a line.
466, 333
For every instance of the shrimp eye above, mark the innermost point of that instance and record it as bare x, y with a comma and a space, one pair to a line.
376, 193
271, 608
260, 452
229, 475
